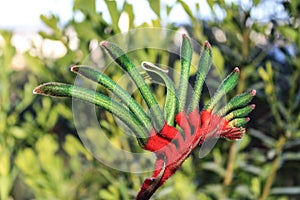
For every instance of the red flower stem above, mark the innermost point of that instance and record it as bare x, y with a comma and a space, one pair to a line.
175, 147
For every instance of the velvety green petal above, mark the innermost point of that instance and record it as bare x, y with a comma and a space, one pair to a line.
203, 68
67, 90
228, 84
121, 58
237, 102
186, 53
108, 83
171, 101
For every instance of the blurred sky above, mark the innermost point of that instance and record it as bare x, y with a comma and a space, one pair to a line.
24, 15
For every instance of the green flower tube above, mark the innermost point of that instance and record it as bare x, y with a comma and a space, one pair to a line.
203, 68
171, 101
122, 94
66, 90
121, 58
186, 53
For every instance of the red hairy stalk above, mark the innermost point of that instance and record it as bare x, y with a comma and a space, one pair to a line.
172, 148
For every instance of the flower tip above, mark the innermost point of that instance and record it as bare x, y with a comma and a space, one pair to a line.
236, 70
36, 90
207, 44
253, 92
149, 66
104, 43
247, 119
252, 106
47, 89
40, 89
74, 68
185, 35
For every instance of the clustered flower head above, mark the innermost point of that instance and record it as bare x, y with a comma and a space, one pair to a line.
174, 132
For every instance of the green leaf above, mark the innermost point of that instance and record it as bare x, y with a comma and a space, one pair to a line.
256, 2
85, 6
250, 168
107, 194
26, 160
51, 21
129, 10
36, 66
218, 60
168, 8
255, 186
214, 167
243, 191
187, 10
85, 30
155, 6
114, 13
7, 52
211, 3
291, 156
242, 144
18, 132
267, 140
295, 190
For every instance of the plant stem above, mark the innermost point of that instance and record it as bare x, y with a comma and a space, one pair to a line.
230, 165
274, 168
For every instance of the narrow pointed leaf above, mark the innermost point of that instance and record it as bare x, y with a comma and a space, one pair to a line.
114, 13
155, 6
120, 57
67, 90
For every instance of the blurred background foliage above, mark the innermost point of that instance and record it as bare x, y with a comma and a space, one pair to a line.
41, 156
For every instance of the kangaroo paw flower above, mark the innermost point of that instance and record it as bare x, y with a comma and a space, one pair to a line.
171, 133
